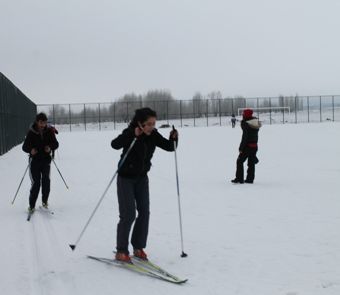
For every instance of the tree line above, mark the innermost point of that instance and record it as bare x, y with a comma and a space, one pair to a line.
166, 106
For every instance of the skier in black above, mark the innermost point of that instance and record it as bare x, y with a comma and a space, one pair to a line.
133, 182
39, 142
233, 121
248, 147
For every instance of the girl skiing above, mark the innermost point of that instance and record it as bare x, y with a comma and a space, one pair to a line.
133, 182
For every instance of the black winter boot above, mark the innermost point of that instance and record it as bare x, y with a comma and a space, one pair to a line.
237, 181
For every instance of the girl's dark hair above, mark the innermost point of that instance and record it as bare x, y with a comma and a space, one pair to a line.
41, 117
142, 115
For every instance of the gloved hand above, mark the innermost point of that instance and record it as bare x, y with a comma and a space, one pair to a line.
139, 131
174, 134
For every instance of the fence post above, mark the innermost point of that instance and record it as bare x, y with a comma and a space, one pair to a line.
219, 110
207, 107
70, 117
180, 112
114, 116
167, 111
127, 112
100, 127
270, 110
295, 109
193, 107
308, 108
333, 106
53, 111
85, 116
320, 110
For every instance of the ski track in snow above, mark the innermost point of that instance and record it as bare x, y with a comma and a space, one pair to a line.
47, 274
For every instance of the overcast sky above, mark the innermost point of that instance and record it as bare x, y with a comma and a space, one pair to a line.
91, 51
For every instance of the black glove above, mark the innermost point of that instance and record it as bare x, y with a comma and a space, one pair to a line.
174, 134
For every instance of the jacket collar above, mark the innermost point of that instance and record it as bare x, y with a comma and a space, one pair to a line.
34, 129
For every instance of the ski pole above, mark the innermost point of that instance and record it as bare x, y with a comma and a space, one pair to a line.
20, 183
179, 200
73, 246
60, 173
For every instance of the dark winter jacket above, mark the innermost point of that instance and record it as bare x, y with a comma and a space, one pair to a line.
138, 162
37, 140
250, 129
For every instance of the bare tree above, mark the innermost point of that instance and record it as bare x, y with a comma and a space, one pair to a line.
214, 99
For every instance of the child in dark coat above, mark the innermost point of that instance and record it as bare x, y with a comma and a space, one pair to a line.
40, 141
248, 147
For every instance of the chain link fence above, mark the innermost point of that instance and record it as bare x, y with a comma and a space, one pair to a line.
191, 113
16, 114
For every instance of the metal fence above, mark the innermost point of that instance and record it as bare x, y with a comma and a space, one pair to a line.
16, 114
202, 112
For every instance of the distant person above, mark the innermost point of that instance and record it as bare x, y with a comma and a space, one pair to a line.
233, 120
40, 141
133, 182
248, 147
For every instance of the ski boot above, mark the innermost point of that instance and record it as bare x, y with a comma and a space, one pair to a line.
139, 253
123, 257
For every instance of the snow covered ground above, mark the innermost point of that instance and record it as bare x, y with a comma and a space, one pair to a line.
279, 236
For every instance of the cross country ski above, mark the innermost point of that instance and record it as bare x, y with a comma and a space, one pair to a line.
142, 268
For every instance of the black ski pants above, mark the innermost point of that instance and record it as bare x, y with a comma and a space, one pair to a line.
133, 194
250, 154
40, 176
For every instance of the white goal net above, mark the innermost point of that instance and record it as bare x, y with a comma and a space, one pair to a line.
266, 110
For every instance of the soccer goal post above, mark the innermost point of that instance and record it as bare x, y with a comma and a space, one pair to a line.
266, 110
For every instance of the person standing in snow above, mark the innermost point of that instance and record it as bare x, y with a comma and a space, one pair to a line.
133, 182
233, 120
248, 147
40, 141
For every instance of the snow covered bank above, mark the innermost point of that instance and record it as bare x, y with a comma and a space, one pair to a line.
277, 236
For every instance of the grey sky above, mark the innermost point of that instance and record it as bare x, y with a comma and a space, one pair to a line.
90, 51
